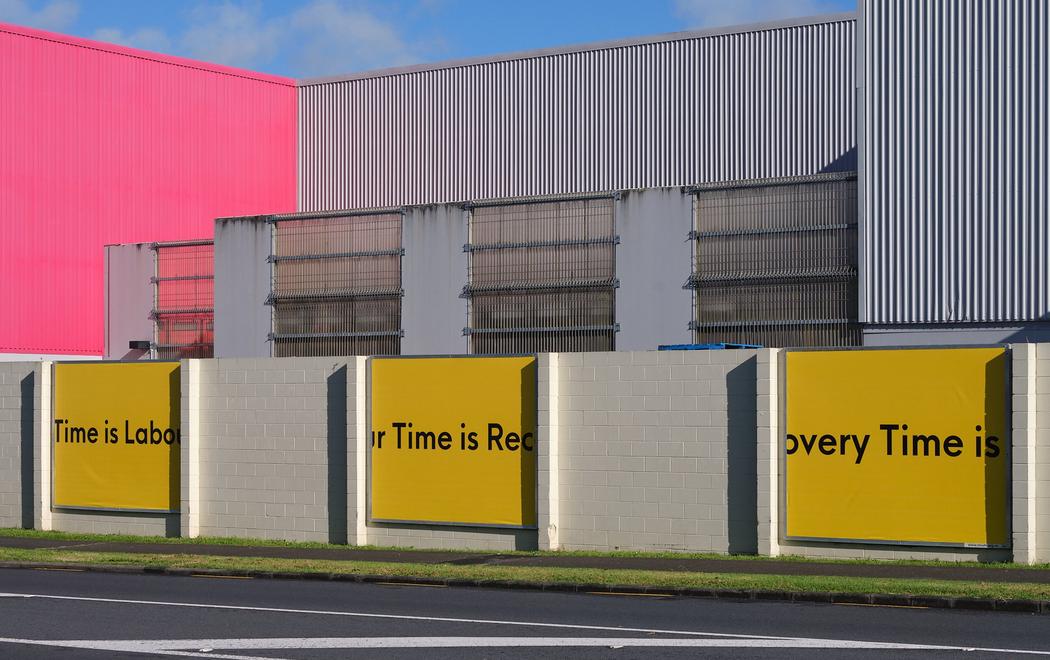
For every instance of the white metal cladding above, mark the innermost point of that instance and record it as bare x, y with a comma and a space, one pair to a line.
753, 103
954, 174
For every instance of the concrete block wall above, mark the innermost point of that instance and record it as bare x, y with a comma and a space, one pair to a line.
272, 448
548, 452
115, 522
657, 451
643, 451
767, 470
1024, 410
438, 537
18, 414
1040, 469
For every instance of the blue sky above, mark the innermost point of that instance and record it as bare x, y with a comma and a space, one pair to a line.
303, 38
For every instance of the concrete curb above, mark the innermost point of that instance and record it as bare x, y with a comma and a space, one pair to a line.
881, 600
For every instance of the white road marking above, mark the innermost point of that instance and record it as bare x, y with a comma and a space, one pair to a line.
180, 647
710, 639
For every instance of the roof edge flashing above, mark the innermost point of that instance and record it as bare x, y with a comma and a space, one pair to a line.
137, 53
582, 48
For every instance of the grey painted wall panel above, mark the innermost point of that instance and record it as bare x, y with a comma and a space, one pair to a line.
242, 285
434, 270
653, 261
749, 104
954, 174
129, 299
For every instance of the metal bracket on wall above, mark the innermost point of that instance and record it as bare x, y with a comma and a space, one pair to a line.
395, 252
696, 235
181, 244
768, 183
694, 325
181, 278
157, 313
697, 280
550, 199
328, 215
274, 299
615, 327
603, 240
335, 335
469, 290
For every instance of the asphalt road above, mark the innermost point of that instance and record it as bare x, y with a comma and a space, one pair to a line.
65, 615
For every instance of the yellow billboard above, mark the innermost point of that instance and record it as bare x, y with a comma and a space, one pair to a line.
454, 441
905, 446
116, 436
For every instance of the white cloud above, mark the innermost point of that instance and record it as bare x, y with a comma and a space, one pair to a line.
713, 13
234, 34
55, 15
319, 37
146, 38
335, 36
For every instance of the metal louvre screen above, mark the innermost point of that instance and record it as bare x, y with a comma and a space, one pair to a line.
542, 276
776, 262
183, 300
337, 285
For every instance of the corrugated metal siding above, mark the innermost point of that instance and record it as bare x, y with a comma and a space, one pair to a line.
753, 104
102, 144
954, 177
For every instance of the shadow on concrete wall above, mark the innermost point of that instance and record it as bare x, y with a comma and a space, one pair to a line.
337, 477
28, 449
742, 441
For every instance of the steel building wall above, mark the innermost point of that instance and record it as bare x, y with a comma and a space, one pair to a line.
954, 175
750, 102
101, 144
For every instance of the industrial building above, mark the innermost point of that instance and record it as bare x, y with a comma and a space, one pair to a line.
878, 178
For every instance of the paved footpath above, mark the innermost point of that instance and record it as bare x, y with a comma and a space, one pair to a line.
989, 573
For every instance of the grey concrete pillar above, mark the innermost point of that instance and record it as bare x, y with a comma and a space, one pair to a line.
433, 273
653, 261
242, 285
128, 299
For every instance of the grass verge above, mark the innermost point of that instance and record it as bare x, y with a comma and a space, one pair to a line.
495, 575
228, 541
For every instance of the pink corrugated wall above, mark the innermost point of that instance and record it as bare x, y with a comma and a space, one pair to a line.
103, 144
